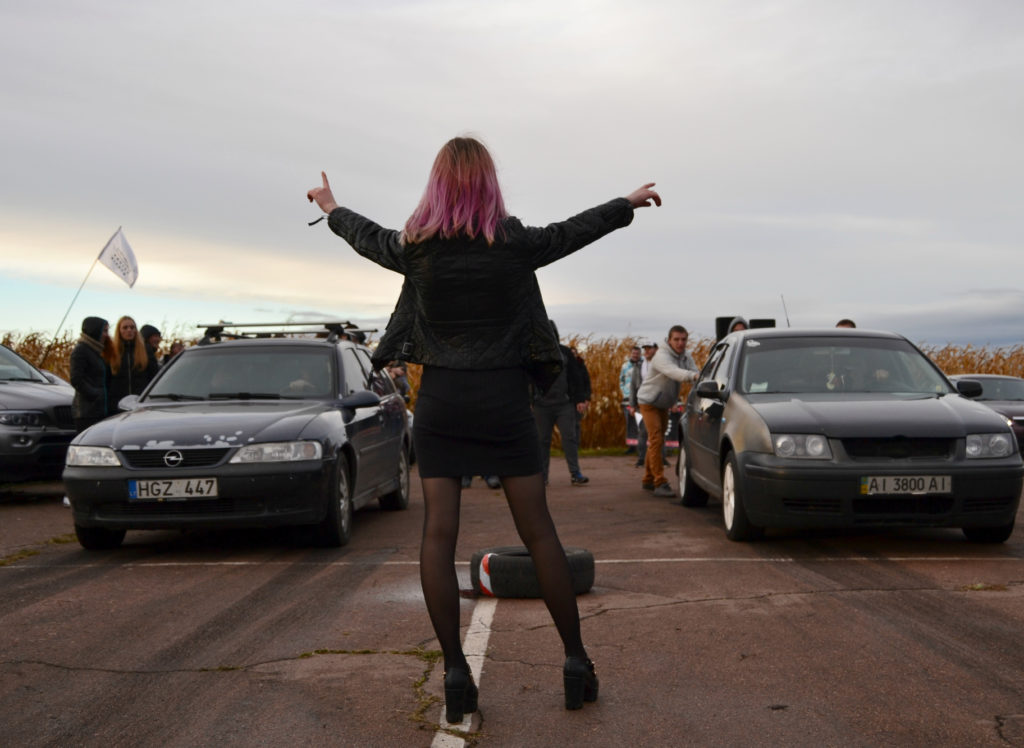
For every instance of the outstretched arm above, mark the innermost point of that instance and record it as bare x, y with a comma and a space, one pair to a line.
639, 198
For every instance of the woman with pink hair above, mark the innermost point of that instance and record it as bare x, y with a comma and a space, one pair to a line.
471, 312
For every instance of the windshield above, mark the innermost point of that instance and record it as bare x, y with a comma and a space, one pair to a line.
796, 365
268, 373
1009, 388
13, 368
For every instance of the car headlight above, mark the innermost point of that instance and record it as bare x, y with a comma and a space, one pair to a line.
91, 457
807, 446
980, 446
279, 452
21, 418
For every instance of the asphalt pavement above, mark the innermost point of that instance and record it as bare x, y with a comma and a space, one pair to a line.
901, 638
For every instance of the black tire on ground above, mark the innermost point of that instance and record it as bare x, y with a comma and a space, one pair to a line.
734, 510
336, 528
690, 494
399, 498
512, 573
98, 538
998, 534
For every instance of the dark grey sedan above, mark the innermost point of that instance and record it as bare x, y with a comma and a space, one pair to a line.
843, 428
245, 433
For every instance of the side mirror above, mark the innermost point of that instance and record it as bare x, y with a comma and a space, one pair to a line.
969, 387
362, 399
709, 388
128, 402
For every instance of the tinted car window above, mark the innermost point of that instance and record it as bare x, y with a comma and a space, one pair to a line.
379, 381
217, 373
1002, 389
355, 377
833, 364
717, 366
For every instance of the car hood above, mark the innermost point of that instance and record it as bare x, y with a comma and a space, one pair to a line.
208, 424
1009, 408
33, 395
874, 415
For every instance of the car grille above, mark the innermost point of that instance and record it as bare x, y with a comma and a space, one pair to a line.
814, 506
63, 417
987, 504
190, 458
173, 508
899, 449
916, 505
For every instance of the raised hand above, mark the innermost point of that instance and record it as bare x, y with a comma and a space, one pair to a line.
323, 195
642, 197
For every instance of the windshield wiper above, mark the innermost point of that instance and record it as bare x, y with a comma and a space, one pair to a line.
174, 396
24, 379
244, 396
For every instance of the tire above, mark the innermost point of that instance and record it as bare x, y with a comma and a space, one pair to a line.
510, 572
690, 494
999, 534
734, 511
336, 528
98, 538
399, 498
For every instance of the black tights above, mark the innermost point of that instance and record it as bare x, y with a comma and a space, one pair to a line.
526, 499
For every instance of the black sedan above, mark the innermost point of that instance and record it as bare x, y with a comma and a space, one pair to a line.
36, 424
1004, 395
843, 428
245, 433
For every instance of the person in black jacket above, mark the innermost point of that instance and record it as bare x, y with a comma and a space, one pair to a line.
131, 366
560, 406
471, 312
89, 373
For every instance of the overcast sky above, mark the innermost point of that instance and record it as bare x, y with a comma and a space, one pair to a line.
858, 159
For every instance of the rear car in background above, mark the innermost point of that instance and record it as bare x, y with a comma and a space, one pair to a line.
256, 431
1005, 395
844, 428
36, 424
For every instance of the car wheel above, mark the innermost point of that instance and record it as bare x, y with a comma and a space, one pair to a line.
399, 498
734, 512
690, 494
98, 538
508, 571
336, 528
998, 534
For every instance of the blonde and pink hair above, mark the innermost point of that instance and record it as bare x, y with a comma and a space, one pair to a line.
462, 196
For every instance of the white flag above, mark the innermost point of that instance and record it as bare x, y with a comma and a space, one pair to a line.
118, 256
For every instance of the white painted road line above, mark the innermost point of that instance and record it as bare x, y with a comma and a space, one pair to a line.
475, 647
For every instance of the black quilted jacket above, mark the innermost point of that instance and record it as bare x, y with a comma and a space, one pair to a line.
467, 305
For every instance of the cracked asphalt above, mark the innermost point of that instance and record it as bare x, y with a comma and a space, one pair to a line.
902, 638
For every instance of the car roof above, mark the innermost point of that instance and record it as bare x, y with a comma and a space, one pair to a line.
816, 332
983, 376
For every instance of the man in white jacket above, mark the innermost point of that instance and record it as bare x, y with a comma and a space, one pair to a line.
658, 392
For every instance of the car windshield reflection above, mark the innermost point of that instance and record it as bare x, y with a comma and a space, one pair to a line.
247, 375
817, 365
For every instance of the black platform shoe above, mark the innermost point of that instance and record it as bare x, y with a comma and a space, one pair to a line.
460, 695
580, 682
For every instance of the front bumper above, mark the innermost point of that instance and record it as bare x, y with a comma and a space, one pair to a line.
27, 452
268, 495
777, 493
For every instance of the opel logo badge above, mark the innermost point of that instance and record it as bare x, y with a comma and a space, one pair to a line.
173, 458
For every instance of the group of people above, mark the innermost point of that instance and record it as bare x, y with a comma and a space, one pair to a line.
106, 368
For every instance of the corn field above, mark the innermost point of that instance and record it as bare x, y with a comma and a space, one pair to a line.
603, 425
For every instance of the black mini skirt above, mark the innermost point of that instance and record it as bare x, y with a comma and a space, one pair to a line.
475, 422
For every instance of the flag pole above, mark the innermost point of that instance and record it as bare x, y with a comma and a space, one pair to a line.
80, 287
